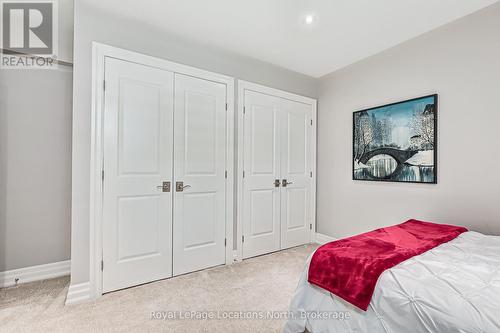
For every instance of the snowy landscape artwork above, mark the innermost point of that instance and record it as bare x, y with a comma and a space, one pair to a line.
396, 142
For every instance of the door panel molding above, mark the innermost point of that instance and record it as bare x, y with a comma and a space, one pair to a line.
99, 53
294, 169
138, 131
262, 166
199, 162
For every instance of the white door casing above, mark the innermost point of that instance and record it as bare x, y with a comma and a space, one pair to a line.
100, 55
200, 164
261, 198
138, 136
277, 143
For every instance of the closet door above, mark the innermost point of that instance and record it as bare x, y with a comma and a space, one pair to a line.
200, 165
261, 194
295, 174
137, 204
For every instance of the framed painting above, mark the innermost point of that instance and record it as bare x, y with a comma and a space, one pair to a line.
397, 142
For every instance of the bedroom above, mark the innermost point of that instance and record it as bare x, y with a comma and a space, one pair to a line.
305, 73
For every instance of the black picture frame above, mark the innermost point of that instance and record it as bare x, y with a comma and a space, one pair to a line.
396, 176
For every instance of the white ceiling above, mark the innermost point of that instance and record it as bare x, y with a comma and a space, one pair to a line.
274, 31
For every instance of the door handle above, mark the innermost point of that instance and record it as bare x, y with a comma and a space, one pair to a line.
179, 186
277, 183
285, 183
165, 187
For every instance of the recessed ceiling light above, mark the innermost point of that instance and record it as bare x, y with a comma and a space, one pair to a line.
309, 19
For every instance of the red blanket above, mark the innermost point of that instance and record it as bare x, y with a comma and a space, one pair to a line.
350, 268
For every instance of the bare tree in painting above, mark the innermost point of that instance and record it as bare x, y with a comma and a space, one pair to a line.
422, 125
427, 131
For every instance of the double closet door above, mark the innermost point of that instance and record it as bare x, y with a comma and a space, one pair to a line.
277, 179
163, 175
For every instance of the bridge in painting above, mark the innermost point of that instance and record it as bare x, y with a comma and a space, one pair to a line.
400, 156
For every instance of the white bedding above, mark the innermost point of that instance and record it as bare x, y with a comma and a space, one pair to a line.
454, 287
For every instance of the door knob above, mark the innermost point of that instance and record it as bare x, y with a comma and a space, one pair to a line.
165, 187
179, 186
285, 183
277, 183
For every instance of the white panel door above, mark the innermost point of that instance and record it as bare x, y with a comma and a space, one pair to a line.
137, 213
261, 197
200, 164
295, 173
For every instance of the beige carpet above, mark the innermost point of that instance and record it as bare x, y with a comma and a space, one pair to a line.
253, 286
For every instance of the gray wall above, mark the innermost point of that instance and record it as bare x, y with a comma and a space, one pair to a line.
35, 167
94, 25
460, 62
35, 158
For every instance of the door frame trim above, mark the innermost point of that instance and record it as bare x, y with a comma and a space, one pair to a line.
99, 53
242, 87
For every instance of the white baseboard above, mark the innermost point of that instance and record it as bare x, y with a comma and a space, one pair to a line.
78, 293
323, 239
34, 273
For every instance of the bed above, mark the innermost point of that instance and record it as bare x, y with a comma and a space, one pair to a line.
454, 287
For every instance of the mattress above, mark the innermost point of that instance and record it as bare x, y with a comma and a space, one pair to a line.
454, 287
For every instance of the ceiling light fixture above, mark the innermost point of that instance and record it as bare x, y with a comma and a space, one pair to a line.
309, 19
